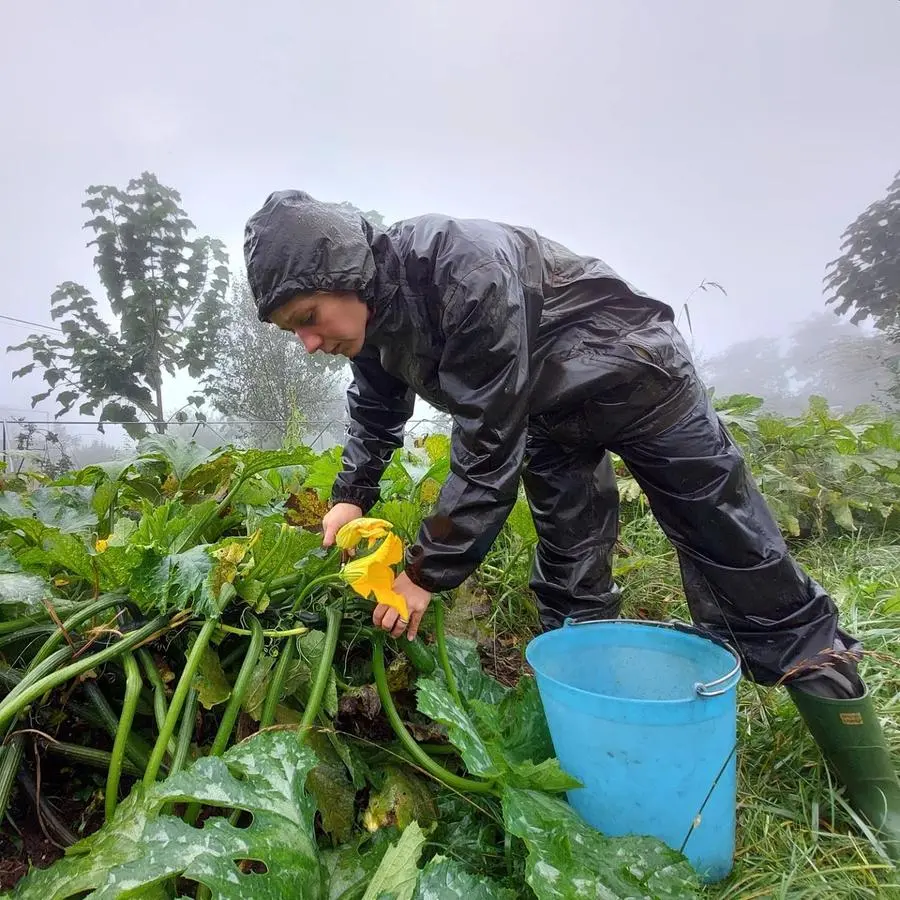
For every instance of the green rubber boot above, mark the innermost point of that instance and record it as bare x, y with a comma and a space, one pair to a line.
851, 740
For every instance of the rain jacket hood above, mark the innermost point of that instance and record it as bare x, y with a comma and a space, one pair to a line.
295, 244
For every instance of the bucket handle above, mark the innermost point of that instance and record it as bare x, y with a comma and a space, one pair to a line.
703, 689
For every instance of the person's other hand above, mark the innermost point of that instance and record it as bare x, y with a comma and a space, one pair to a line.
417, 600
336, 518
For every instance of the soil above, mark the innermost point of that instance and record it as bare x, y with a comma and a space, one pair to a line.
25, 845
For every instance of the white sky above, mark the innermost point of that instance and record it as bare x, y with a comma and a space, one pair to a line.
679, 141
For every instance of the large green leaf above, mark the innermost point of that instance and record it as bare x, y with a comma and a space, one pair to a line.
351, 866
67, 509
176, 581
21, 594
434, 701
502, 733
445, 879
8, 563
323, 472
140, 847
473, 684
182, 456
569, 860
397, 875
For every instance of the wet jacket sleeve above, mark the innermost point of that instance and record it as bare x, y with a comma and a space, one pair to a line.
379, 407
484, 372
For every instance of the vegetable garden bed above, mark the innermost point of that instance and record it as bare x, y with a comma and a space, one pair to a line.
194, 702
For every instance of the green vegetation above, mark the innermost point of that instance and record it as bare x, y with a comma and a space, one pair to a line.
195, 704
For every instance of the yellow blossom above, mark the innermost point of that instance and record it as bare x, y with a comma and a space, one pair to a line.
101, 545
362, 529
372, 574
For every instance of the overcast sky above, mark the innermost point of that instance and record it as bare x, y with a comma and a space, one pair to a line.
679, 140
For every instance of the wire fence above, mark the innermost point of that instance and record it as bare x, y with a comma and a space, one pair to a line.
50, 445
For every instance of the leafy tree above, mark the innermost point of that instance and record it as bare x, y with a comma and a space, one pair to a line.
866, 277
166, 290
822, 356
264, 376
268, 380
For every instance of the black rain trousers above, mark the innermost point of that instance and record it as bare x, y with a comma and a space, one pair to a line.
740, 581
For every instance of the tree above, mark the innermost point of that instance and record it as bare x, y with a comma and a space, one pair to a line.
267, 380
264, 376
822, 355
166, 290
866, 277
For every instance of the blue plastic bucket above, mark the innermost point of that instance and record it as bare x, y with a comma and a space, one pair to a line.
644, 715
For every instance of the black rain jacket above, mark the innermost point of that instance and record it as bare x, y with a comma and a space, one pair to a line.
494, 324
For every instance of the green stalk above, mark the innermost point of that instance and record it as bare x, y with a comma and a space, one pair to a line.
160, 705
76, 619
178, 700
10, 760
276, 683
23, 634
289, 581
333, 617
136, 748
37, 674
15, 624
441, 637
88, 756
286, 658
239, 691
420, 757
185, 732
17, 700
120, 745
235, 702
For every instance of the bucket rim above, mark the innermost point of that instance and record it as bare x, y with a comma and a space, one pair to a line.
702, 690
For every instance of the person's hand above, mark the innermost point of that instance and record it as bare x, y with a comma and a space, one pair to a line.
336, 518
417, 600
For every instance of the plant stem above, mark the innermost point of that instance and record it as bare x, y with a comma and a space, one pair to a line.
178, 699
36, 674
441, 637
245, 632
239, 691
15, 624
133, 685
14, 702
10, 760
233, 709
279, 676
333, 617
88, 756
136, 749
76, 619
185, 732
23, 634
160, 705
420, 757
276, 683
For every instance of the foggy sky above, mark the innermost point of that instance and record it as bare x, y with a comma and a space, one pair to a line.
679, 140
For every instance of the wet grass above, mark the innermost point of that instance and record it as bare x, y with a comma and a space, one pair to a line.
797, 838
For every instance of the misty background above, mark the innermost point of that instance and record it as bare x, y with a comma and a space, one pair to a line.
687, 144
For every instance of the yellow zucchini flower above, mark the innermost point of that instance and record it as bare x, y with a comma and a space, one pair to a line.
372, 573
361, 529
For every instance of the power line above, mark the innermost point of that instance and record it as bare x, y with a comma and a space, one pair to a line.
32, 324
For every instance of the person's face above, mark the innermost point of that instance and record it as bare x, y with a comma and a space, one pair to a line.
331, 323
